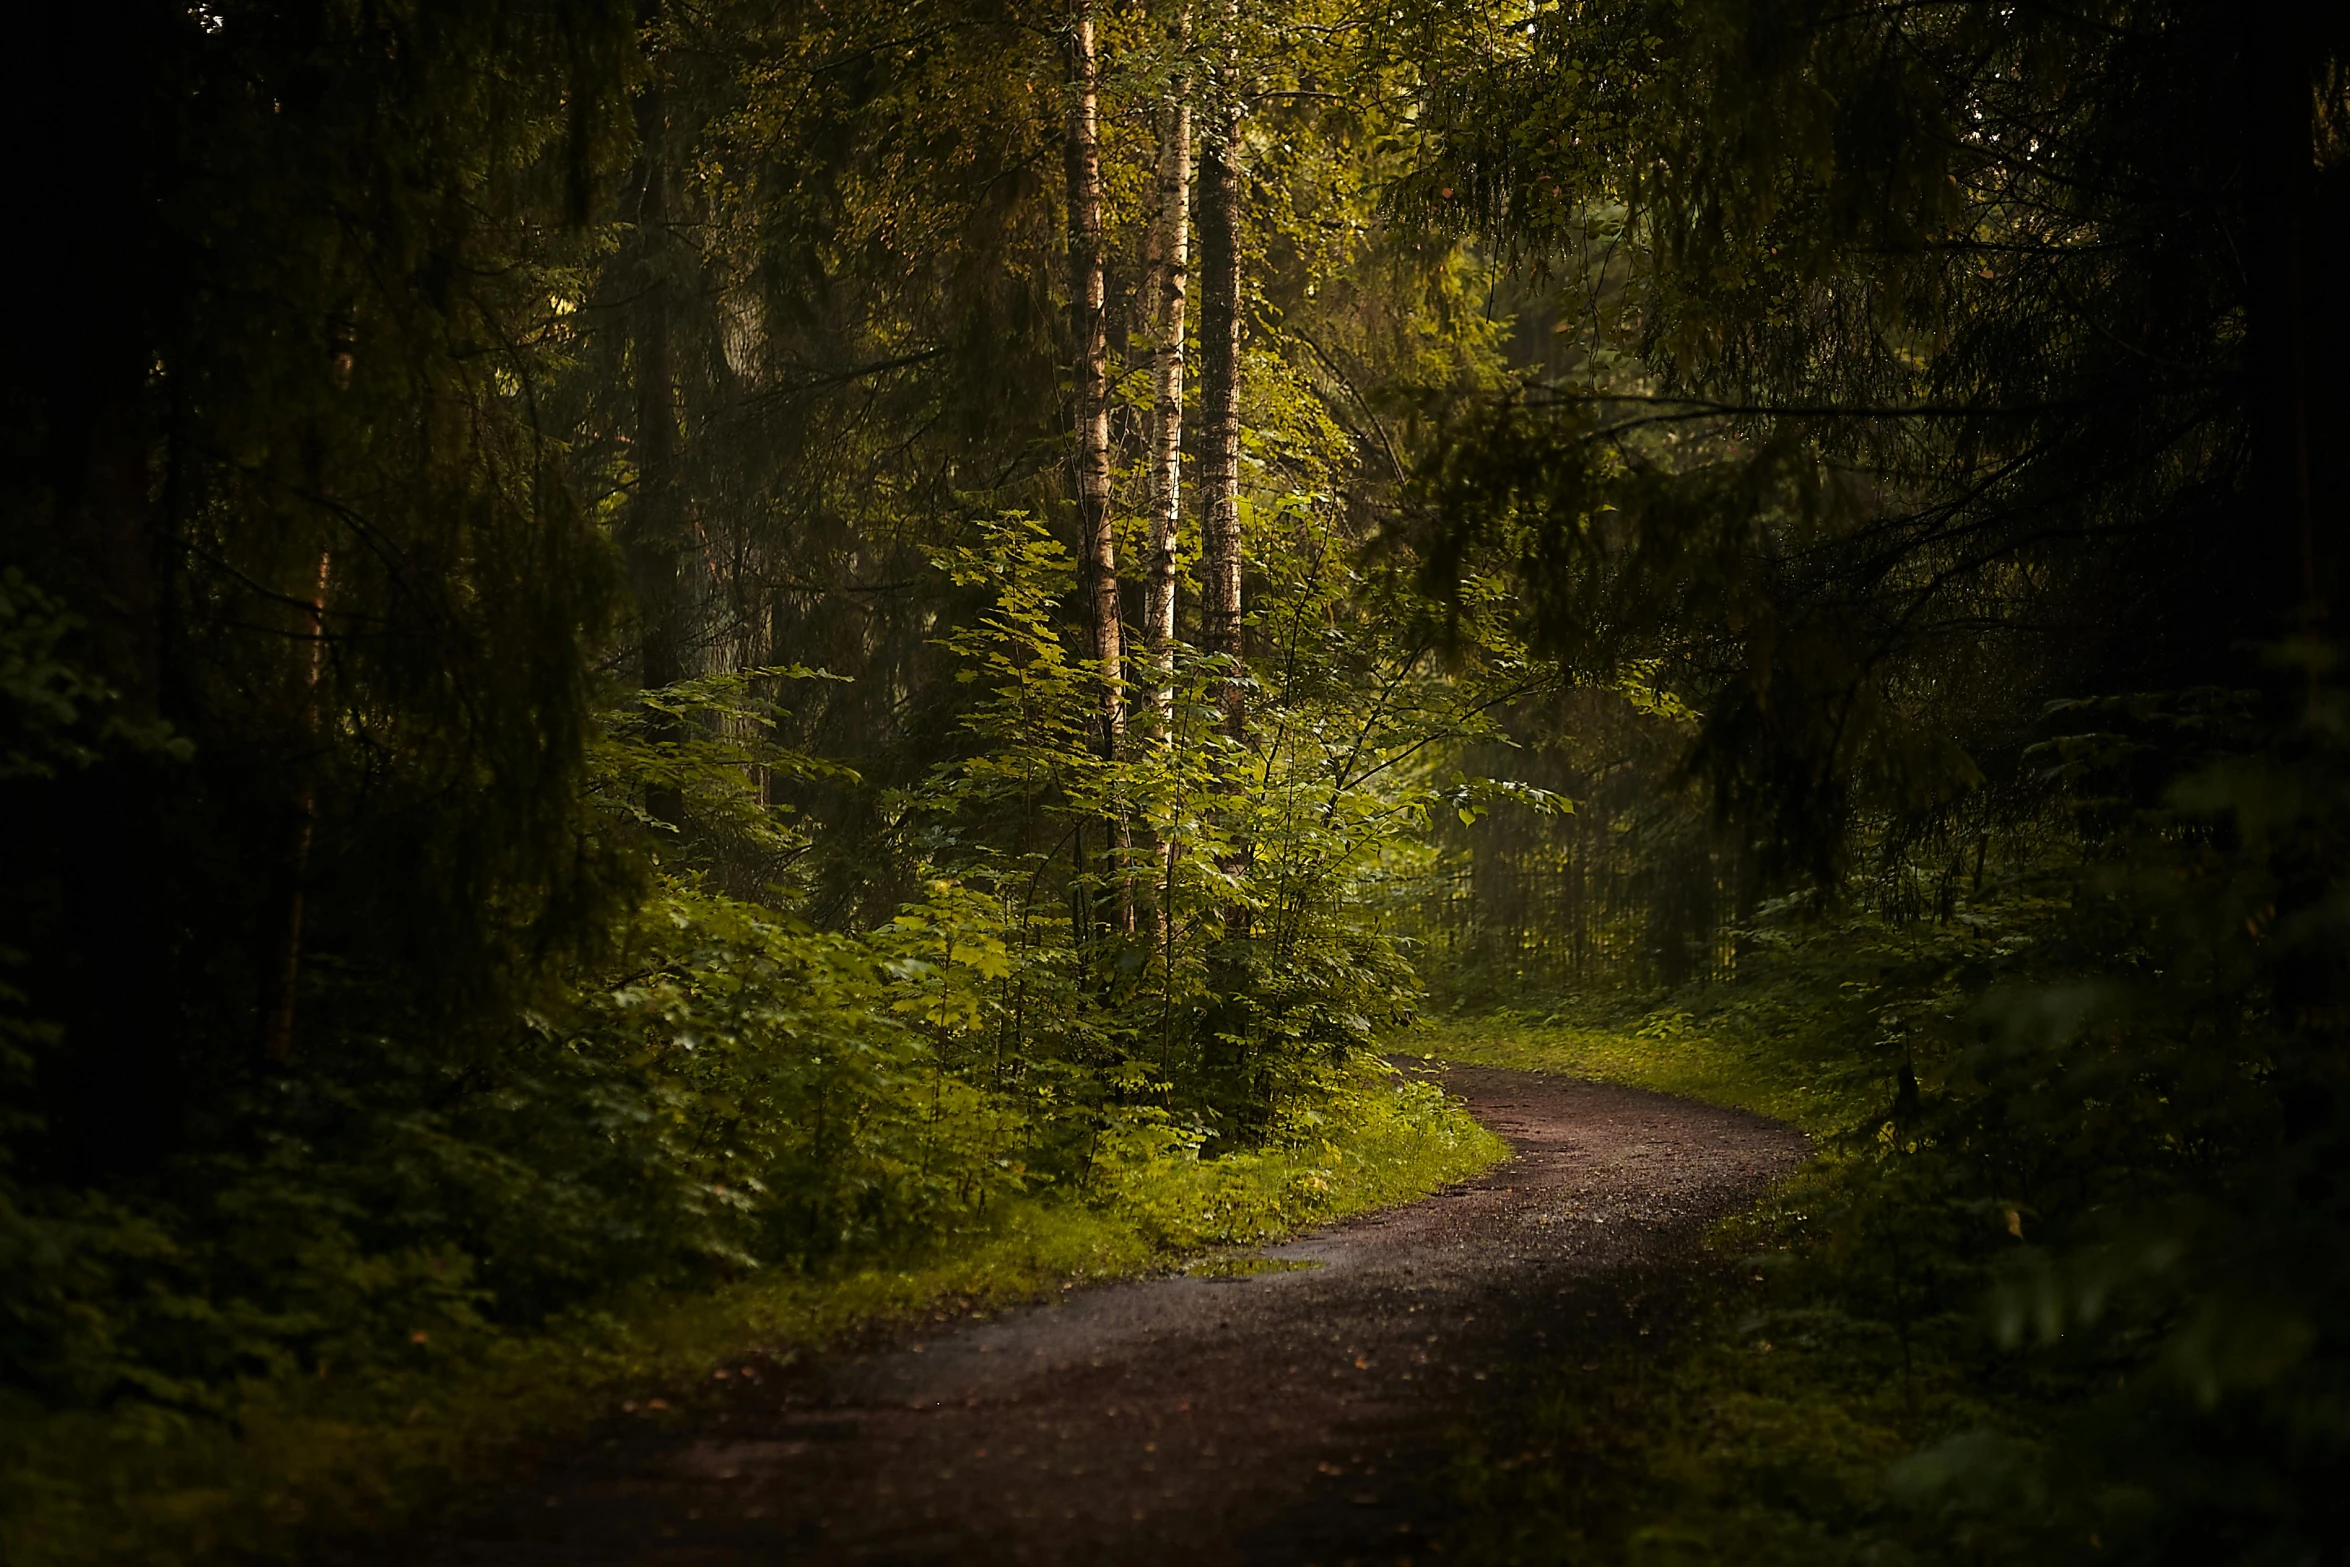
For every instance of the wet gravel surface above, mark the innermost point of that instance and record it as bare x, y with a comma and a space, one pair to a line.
1296, 1415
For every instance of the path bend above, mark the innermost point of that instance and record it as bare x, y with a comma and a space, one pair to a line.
1289, 1416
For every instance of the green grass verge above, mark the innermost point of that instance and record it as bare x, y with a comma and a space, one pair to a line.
298, 1461
1733, 1060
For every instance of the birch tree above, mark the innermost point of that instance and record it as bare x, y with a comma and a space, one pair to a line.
1089, 332
1167, 288
1220, 327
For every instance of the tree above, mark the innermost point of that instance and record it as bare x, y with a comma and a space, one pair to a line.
1089, 330
1223, 302
1874, 447
1166, 287
655, 531
1943, 436
313, 336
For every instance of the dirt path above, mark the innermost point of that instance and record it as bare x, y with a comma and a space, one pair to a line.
1289, 1416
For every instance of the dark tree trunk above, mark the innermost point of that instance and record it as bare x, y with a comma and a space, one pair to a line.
655, 533
1089, 333
1220, 544
277, 1038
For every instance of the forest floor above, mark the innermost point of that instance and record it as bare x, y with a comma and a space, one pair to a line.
1302, 1404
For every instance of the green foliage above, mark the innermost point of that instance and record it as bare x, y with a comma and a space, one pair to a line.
351, 1445
385, 989
728, 1090
1365, 1138
300, 610
1931, 419
2064, 1275
1189, 923
59, 715
1949, 566
1844, 431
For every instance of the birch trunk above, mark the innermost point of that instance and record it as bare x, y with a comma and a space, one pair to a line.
1170, 283
1089, 322
1220, 308
1166, 292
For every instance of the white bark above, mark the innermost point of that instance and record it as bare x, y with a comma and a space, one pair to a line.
1169, 282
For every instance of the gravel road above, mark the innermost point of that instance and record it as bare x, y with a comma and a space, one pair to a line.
1295, 1415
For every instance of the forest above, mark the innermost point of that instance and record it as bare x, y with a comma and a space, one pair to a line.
698, 693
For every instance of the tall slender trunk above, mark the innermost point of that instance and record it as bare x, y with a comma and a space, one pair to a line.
653, 529
1166, 293
1220, 601
1090, 334
1170, 287
1090, 330
277, 1040
1220, 310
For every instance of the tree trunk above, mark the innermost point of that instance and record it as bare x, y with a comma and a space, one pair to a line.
1220, 307
653, 532
277, 1041
1166, 293
1220, 600
1089, 324
1170, 285
1089, 331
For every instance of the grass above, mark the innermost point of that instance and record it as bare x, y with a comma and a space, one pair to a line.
299, 1461
1733, 1058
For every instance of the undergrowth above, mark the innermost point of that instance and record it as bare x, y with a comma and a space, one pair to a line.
290, 1462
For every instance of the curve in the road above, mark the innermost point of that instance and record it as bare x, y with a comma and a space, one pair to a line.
1289, 1415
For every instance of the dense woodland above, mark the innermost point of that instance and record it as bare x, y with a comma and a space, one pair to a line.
648, 643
